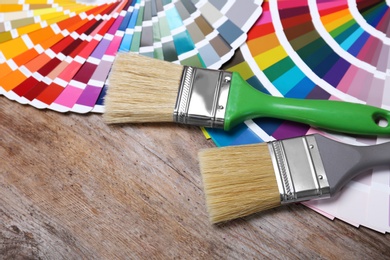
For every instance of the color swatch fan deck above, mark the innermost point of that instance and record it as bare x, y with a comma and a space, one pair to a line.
58, 54
336, 50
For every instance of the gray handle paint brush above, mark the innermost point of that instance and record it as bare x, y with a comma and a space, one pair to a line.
143, 90
241, 180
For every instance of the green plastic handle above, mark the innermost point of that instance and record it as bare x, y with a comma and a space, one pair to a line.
245, 102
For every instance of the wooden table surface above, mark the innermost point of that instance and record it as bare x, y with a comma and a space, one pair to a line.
72, 187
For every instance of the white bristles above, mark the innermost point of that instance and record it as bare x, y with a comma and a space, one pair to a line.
238, 181
141, 89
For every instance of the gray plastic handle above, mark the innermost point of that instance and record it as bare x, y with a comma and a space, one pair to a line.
342, 162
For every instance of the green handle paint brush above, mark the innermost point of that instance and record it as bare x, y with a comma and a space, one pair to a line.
143, 90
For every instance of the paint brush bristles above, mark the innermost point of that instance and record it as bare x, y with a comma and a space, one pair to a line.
141, 90
235, 183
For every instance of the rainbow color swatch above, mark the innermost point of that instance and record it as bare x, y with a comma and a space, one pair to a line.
57, 54
321, 49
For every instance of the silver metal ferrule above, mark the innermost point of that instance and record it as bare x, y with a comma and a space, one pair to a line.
202, 97
299, 170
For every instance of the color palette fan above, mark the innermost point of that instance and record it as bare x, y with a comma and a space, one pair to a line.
322, 50
57, 54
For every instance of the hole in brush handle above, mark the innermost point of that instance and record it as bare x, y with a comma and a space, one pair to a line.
381, 121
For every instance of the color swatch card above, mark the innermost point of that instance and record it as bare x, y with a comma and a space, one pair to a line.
336, 50
62, 64
57, 54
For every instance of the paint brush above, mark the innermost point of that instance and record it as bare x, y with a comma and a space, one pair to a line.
245, 179
144, 89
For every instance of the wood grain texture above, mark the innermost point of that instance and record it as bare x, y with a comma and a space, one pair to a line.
72, 187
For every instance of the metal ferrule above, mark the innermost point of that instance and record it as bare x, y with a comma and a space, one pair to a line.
202, 97
299, 170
